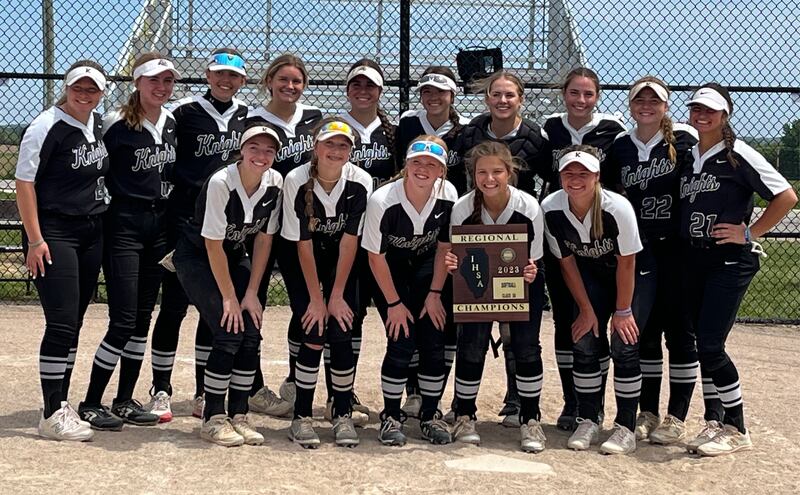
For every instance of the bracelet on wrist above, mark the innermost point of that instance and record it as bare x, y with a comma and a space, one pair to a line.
396, 303
747, 234
36, 244
435, 291
623, 312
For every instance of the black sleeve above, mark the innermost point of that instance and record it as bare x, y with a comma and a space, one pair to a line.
456, 166
610, 177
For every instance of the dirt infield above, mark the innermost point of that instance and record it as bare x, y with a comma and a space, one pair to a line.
171, 458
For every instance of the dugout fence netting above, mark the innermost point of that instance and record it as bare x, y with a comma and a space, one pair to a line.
748, 46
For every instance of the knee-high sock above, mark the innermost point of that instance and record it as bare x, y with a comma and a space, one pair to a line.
202, 348
343, 372
306, 372
242, 376
217, 378
130, 366
529, 377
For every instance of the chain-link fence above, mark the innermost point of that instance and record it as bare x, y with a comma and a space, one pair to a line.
748, 46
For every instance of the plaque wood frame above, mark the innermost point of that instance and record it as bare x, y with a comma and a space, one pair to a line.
489, 284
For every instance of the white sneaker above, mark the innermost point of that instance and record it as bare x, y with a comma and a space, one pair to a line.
160, 405
198, 404
219, 430
266, 402
464, 431
532, 437
586, 434
708, 432
646, 422
727, 441
671, 430
75, 414
288, 391
412, 405
622, 441
246, 430
63, 425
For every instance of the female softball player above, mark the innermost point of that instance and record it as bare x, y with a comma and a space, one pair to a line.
140, 139
208, 129
61, 196
238, 201
285, 80
405, 221
495, 201
504, 96
323, 214
643, 163
580, 124
719, 251
594, 235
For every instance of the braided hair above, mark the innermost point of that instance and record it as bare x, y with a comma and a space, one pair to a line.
666, 121
597, 212
452, 114
494, 149
386, 124
728, 135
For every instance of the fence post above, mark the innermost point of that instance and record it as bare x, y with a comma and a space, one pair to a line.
405, 53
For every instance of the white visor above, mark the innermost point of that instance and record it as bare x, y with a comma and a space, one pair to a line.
84, 71
427, 148
437, 81
368, 72
258, 131
661, 91
154, 68
710, 98
588, 160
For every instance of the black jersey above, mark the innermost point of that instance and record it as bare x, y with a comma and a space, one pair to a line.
224, 212
522, 208
600, 133
67, 162
650, 178
414, 123
372, 151
140, 161
297, 136
207, 139
395, 228
568, 236
337, 213
712, 190
526, 143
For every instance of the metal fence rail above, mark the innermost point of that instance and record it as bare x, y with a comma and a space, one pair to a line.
748, 46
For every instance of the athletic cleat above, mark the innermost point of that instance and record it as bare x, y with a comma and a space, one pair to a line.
199, 403
566, 421
464, 431
671, 430
622, 441
435, 430
508, 409
219, 430
586, 434
160, 405
646, 422
450, 417
511, 421
246, 430
131, 411
288, 391
532, 437
727, 441
302, 433
708, 432
359, 418
412, 405
266, 402
344, 432
75, 414
601, 417
360, 412
99, 417
64, 425
391, 432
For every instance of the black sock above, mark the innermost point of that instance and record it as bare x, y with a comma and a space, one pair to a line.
217, 372
714, 410
202, 349
306, 372
529, 386
165, 343
52, 366
431, 382
130, 366
468, 382
343, 372
726, 381
326, 359
105, 360
258, 379
242, 375
394, 373
627, 389
652, 365
682, 377
412, 384
73, 350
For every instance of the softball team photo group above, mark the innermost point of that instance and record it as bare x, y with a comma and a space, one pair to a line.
633, 234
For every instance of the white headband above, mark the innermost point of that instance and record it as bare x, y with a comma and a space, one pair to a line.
368, 72
439, 81
86, 71
710, 98
588, 160
661, 91
155, 67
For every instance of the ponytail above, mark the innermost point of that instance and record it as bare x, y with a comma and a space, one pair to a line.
669, 138
133, 112
597, 212
477, 208
309, 195
729, 138
386, 126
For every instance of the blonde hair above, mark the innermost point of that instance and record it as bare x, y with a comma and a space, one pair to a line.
666, 121
285, 60
425, 137
492, 149
313, 173
132, 111
485, 85
597, 212
80, 63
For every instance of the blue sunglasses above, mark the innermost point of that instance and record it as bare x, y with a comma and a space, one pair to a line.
421, 146
228, 59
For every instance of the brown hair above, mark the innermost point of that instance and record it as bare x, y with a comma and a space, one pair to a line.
132, 111
285, 60
485, 85
581, 72
313, 173
485, 149
80, 63
728, 135
597, 212
452, 115
386, 125
666, 121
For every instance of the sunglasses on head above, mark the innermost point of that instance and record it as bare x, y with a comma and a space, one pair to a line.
228, 59
422, 146
437, 78
336, 126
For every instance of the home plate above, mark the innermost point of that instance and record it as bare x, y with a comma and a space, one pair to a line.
499, 464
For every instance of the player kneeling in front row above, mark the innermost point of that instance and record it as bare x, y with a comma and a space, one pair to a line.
494, 201
236, 202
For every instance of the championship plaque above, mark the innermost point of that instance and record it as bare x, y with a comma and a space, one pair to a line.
489, 285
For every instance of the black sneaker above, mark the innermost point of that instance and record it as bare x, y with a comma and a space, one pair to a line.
99, 417
435, 430
391, 432
131, 411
